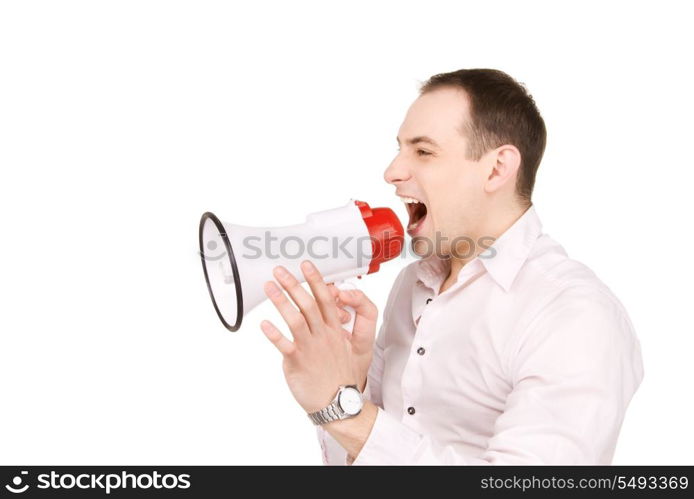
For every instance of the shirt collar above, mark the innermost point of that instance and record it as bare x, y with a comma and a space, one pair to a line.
502, 260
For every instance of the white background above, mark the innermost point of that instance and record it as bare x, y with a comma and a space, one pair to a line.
121, 122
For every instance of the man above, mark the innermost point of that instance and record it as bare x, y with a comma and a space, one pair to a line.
503, 353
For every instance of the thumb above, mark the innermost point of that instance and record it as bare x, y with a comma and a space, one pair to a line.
366, 316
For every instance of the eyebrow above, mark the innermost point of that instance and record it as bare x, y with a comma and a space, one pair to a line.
418, 139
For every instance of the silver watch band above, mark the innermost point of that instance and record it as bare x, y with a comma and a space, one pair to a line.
332, 412
326, 414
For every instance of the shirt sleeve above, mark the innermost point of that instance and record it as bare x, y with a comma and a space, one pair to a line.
573, 373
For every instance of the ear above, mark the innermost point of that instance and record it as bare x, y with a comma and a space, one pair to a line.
505, 160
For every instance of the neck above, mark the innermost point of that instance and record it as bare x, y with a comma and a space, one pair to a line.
489, 230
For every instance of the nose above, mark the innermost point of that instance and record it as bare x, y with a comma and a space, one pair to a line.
397, 171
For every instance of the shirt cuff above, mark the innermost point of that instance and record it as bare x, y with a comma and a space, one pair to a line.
332, 452
390, 442
367, 391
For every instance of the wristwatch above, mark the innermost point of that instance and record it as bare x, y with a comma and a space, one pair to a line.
346, 404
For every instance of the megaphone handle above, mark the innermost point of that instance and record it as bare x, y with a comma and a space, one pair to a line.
347, 285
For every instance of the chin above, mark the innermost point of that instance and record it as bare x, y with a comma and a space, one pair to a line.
423, 245
420, 247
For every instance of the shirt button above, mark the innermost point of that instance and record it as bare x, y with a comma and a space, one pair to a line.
421, 350
410, 410
429, 300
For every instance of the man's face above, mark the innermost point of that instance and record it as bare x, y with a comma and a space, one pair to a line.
432, 168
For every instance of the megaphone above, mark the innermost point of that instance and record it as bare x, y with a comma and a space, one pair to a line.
343, 242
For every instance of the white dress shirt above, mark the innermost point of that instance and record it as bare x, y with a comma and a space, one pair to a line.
528, 358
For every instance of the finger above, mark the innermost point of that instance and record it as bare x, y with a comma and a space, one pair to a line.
334, 290
294, 319
325, 300
366, 317
303, 299
280, 341
344, 316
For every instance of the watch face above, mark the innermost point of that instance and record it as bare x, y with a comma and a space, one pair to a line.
350, 401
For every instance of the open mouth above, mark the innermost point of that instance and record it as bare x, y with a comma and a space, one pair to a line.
417, 211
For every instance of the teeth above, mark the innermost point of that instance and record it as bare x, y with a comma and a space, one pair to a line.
408, 200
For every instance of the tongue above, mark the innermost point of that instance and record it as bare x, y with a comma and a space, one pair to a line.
418, 214
413, 225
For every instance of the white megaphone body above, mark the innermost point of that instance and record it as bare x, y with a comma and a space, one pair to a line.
343, 242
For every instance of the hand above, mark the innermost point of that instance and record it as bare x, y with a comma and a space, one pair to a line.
320, 357
364, 330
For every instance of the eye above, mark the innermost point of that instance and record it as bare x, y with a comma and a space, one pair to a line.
422, 152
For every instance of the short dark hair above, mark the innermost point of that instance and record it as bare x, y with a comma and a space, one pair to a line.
501, 112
